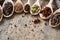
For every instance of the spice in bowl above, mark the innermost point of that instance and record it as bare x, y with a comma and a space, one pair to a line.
27, 7
46, 12
35, 9
55, 19
8, 8
36, 21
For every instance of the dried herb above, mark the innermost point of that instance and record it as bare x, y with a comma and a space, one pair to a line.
8, 8
46, 12
35, 9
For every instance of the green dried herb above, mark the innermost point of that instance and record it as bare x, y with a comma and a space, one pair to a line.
35, 9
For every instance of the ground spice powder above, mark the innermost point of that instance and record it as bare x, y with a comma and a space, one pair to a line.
18, 7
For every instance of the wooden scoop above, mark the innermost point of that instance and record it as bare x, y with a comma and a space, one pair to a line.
18, 7
56, 13
4, 6
27, 5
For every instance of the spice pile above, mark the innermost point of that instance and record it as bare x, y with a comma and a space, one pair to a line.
46, 12
35, 9
8, 8
27, 7
18, 8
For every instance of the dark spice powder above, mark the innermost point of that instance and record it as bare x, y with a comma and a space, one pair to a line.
8, 8
55, 19
46, 12
36, 21
27, 7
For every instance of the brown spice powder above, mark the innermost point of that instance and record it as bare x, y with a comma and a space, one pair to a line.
46, 12
18, 7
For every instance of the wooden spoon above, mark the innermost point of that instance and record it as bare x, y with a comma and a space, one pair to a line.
8, 8
27, 7
56, 13
18, 6
37, 4
49, 6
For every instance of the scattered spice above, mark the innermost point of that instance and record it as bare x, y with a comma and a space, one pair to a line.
8, 38
27, 7
8, 8
32, 30
55, 19
34, 26
18, 7
35, 9
36, 21
42, 31
26, 25
15, 25
23, 16
46, 12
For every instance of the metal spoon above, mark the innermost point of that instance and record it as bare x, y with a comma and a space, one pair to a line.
1, 13
49, 5
18, 6
7, 12
37, 4
55, 14
27, 6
